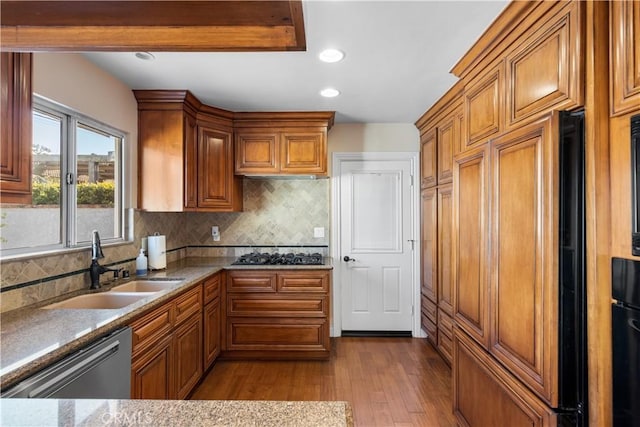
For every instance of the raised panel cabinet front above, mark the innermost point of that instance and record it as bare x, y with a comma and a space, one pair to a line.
151, 372
545, 71
217, 186
303, 282
485, 394
445, 240
483, 107
251, 281
428, 159
188, 348
303, 152
471, 243
429, 253
448, 137
16, 129
625, 56
212, 325
524, 302
257, 153
284, 334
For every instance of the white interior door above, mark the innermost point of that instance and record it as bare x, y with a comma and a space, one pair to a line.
376, 245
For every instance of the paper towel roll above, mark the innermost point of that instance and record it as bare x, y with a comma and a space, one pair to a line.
157, 252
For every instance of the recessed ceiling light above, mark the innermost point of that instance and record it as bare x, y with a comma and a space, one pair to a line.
329, 92
331, 55
145, 56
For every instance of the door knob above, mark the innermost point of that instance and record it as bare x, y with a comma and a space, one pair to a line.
347, 259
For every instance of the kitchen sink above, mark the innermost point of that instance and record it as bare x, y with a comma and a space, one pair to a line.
105, 300
146, 285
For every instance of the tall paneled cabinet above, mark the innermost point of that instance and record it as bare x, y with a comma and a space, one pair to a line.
490, 209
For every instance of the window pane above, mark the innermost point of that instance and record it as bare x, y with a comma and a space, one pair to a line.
38, 224
97, 179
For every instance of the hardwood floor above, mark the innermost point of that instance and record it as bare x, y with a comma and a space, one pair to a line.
388, 381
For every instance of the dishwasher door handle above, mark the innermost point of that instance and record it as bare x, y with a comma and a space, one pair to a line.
74, 371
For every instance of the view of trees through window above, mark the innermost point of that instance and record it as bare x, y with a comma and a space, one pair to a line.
76, 184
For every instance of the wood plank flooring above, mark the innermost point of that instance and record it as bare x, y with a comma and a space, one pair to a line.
388, 381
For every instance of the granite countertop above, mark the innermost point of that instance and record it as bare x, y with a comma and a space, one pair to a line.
33, 337
245, 413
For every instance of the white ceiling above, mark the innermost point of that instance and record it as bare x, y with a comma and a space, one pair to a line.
398, 57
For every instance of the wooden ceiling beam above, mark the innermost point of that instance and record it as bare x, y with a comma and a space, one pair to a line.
205, 26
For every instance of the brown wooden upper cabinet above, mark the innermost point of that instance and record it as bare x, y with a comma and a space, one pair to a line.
282, 143
428, 159
625, 56
545, 71
483, 107
15, 146
185, 154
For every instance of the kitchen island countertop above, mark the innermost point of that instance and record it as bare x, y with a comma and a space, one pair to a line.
170, 413
33, 338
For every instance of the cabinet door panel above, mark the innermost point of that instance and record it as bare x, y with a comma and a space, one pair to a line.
545, 71
257, 153
151, 372
471, 244
429, 252
445, 229
428, 159
447, 140
16, 129
524, 235
217, 188
625, 56
483, 107
504, 401
303, 152
188, 347
212, 327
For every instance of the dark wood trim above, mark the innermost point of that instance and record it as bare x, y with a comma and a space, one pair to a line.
266, 25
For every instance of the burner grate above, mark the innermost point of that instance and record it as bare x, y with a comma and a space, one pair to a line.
279, 259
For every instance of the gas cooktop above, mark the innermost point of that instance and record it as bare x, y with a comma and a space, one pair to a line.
279, 259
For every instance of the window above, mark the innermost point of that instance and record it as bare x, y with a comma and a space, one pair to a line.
77, 184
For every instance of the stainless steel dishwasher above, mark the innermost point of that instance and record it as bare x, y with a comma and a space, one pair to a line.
101, 370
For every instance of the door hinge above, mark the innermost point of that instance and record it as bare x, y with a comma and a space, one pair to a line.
412, 310
69, 178
411, 180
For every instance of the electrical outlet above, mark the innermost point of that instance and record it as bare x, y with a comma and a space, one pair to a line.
215, 233
318, 232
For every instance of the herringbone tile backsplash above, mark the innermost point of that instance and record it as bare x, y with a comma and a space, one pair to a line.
276, 212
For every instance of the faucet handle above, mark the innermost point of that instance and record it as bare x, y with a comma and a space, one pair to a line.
116, 272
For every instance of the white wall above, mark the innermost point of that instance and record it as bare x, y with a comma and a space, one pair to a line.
361, 137
77, 83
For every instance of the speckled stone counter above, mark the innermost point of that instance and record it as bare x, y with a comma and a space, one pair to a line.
32, 337
245, 413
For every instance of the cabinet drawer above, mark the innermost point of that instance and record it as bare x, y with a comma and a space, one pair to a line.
211, 288
241, 305
445, 323
430, 328
151, 327
188, 304
290, 334
444, 346
303, 282
429, 308
251, 281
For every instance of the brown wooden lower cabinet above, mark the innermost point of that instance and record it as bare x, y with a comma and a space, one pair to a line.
188, 361
211, 332
430, 320
151, 372
485, 394
281, 314
167, 356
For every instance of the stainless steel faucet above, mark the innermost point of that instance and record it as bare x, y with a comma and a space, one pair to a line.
95, 270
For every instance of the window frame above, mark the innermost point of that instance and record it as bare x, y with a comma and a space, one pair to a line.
71, 120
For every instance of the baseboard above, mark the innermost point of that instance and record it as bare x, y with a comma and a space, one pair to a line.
397, 334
